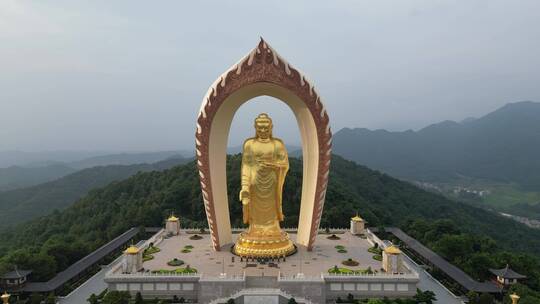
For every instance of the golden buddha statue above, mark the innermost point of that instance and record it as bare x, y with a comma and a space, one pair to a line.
264, 166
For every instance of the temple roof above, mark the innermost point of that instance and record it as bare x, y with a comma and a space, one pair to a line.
392, 250
16, 274
507, 273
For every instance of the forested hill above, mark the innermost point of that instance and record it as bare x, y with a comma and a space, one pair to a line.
23, 204
50, 243
503, 145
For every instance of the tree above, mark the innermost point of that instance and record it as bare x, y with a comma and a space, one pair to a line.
138, 298
116, 297
485, 298
424, 297
230, 301
93, 299
51, 299
36, 298
292, 301
473, 297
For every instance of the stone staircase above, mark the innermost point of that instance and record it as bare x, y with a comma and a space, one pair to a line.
260, 292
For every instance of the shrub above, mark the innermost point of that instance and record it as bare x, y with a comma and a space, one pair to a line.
350, 262
175, 262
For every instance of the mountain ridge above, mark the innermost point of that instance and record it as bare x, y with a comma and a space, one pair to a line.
502, 145
24, 204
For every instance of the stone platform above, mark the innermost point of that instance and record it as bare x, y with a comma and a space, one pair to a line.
222, 275
311, 263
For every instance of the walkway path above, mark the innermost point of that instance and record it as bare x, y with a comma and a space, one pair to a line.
427, 282
94, 285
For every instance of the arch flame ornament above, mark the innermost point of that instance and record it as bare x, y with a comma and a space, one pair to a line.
262, 72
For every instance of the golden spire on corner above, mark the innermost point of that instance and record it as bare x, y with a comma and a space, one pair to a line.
132, 249
5, 297
392, 250
515, 298
172, 218
357, 218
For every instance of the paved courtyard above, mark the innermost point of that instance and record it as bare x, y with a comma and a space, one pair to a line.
212, 263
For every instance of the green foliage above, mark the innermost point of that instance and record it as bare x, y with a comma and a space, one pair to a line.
187, 269
343, 270
93, 299
175, 262
36, 298
116, 297
151, 250
474, 254
292, 301
424, 297
375, 250
377, 257
138, 298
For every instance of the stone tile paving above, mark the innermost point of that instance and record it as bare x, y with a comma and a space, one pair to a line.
212, 263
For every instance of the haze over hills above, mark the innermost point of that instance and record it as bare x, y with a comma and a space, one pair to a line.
17, 177
42, 169
24, 204
503, 146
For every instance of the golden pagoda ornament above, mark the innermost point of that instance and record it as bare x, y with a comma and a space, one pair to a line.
5, 298
515, 298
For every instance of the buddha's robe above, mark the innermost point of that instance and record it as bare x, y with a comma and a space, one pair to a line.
264, 209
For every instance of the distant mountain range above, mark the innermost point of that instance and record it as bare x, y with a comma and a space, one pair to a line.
503, 145
24, 204
41, 170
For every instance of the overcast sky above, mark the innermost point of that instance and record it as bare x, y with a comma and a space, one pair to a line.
130, 75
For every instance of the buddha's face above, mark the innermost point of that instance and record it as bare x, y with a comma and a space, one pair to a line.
263, 129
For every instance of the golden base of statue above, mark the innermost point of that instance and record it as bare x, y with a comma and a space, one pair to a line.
264, 166
264, 247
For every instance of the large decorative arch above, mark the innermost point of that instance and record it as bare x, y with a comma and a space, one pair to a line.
262, 72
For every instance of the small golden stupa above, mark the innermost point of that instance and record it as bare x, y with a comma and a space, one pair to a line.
515, 298
392, 250
5, 297
132, 250
172, 218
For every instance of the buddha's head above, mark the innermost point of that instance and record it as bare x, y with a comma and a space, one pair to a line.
263, 126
